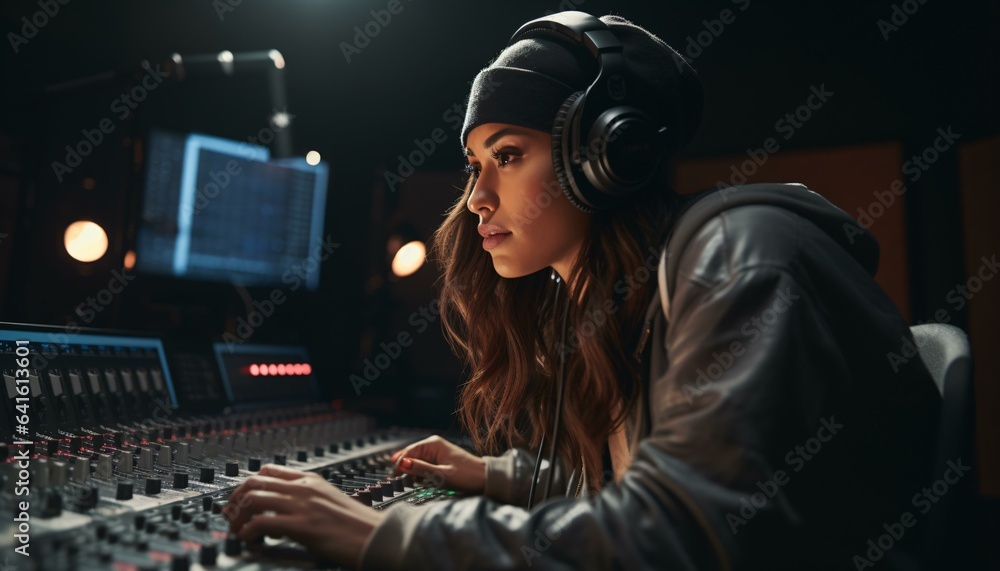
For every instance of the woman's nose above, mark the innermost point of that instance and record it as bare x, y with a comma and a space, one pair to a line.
482, 199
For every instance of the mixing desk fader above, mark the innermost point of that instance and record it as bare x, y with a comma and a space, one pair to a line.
101, 469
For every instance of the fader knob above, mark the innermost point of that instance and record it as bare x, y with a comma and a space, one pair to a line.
208, 554
182, 452
233, 545
152, 486
125, 461
363, 496
104, 468
81, 470
145, 459
51, 503
232, 469
180, 480
206, 475
123, 491
180, 562
165, 458
253, 464
59, 473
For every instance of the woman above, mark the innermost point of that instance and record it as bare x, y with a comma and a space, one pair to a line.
724, 403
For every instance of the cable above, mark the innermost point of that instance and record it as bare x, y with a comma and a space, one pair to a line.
541, 444
559, 398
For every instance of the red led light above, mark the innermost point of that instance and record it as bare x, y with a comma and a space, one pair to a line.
254, 370
298, 368
281, 368
306, 369
263, 370
272, 368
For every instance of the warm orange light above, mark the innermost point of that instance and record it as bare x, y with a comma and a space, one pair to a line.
85, 241
409, 258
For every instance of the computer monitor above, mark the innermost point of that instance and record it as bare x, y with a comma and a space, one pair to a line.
217, 209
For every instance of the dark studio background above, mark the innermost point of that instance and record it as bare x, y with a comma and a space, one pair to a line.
938, 70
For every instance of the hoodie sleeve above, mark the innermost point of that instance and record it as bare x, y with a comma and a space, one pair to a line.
752, 364
508, 477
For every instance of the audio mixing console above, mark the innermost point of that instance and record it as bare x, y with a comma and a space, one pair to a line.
102, 468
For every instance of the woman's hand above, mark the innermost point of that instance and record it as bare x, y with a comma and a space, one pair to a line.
306, 509
444, 464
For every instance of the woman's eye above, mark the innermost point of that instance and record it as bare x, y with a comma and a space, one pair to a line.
474, 171
503, 157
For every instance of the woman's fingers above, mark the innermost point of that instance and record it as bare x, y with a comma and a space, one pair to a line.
427, 449
279, 471
262, 482
259, 501
436, 474
274, 525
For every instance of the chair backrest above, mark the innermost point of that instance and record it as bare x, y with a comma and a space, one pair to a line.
955, 521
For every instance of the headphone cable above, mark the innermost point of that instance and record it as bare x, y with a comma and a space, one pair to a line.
541, 444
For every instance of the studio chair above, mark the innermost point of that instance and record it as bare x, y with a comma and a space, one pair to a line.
956, 525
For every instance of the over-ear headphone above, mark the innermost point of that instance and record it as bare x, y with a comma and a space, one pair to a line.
604, 146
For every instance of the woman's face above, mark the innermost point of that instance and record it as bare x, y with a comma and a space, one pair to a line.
516, 190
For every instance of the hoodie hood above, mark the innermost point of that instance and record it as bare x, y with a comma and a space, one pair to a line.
839, 225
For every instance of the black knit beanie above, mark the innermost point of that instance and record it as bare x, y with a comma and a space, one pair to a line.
527, 83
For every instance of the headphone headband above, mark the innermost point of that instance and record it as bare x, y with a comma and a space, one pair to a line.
576, 27
604, 146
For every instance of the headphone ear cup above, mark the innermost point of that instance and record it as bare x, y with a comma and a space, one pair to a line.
563, 143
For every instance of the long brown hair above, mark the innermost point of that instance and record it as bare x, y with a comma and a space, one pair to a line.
507, 330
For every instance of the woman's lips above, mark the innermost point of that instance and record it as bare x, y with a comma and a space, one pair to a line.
492, 234
495, 240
